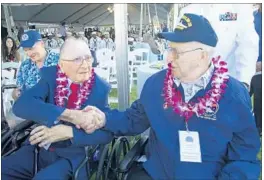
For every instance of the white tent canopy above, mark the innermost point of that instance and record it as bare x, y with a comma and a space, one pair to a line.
81, 14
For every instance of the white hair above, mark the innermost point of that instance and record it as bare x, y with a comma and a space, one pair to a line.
73, 48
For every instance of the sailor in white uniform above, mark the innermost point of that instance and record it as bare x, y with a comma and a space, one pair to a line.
238, 40
107, 42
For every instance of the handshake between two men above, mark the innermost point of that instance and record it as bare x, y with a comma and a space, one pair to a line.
89, 119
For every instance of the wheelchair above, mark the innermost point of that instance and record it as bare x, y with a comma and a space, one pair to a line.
10, 133
101, 161
132, 158
122, 158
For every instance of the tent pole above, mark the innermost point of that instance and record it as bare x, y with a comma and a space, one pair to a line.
145, 16
149, 14
175, 14
156, 9
8, 21
141, 20
168, 21
157, 14
13, 24
121, 26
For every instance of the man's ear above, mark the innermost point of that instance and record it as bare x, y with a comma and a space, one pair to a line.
42, 43
205, 57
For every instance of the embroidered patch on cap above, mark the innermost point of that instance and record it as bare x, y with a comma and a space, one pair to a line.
24, 37
184, 23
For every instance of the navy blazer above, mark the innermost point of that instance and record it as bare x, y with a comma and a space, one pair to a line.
38, 104
229, 141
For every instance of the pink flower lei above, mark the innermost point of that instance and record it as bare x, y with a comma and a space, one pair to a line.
173, 97
62, 91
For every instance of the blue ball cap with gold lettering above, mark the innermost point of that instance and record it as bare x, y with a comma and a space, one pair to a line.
192, 27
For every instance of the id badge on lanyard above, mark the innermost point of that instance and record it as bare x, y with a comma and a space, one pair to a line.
190, 150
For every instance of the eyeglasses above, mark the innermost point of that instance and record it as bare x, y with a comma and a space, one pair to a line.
176, 53
81, 59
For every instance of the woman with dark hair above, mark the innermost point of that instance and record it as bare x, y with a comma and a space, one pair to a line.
10, 52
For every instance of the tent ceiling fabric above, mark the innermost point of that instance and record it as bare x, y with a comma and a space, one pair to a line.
81, 14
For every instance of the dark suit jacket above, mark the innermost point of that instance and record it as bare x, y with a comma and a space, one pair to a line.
38, 104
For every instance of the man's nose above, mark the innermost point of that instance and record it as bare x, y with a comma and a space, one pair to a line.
85, 64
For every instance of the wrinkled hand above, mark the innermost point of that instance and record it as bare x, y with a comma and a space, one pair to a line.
79, 117
43, 135
97, 121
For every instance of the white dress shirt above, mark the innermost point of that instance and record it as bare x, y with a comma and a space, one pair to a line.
190, 89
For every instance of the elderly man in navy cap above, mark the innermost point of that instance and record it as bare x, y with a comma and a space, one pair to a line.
38, 57
56, 103
200, 118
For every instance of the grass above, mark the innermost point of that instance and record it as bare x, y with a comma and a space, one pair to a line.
132, 98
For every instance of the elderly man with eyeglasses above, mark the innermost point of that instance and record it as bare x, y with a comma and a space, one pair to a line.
56, 102
200, 118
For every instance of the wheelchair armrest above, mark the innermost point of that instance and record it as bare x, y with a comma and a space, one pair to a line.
23, 125
10, 86
133, 155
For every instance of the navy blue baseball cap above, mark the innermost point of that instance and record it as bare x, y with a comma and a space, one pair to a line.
192, 27
29, 38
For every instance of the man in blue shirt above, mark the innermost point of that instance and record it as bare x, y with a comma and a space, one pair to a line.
200, 118
29, 71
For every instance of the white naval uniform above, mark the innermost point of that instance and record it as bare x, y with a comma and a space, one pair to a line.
95, 43
51, 44
237, 39
108, 43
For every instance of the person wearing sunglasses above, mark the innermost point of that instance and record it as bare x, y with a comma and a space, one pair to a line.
200, 118
56, 102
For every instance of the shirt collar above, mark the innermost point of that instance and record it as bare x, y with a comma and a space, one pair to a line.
70, 82
200, 82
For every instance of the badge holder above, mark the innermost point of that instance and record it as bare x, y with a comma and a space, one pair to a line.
190, 150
